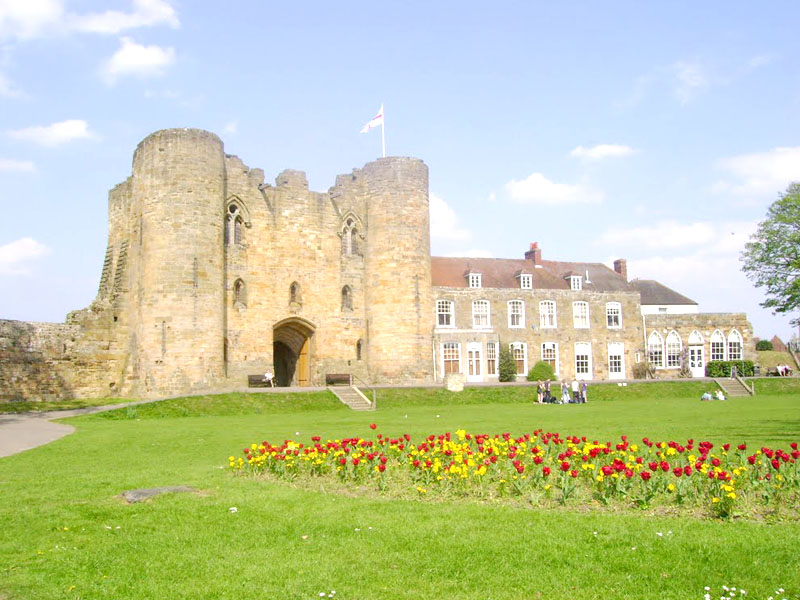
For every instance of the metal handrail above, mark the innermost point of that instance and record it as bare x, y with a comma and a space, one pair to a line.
366, 385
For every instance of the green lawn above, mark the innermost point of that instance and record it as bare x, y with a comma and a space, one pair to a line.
66, 535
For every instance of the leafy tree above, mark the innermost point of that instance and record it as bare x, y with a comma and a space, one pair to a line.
771, 259
507, 367
763, 345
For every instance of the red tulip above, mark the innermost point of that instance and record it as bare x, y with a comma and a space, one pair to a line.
545, 471
645, 475
381, 468
565, 466
373, 426
573, 473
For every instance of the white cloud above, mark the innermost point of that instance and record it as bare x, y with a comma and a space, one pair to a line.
55, 134
760, 61
137, 60
27, 19
761, 174
689, 79
6, 164
14, 254
146, 13
601, 151
444, 222
538, 189
709, 237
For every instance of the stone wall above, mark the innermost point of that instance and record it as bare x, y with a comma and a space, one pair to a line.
531, 333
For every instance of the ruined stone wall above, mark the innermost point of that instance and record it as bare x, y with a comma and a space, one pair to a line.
531, 333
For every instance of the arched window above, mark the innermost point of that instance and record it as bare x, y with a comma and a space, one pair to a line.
236, 218
655, 350
734, 345
347, 298
239, 293
349, 235
294, 293
359, 349
696, 338
674, 347
717, 345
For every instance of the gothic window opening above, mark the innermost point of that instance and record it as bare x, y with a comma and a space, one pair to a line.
655, 350
347, 299
234, 225
239, 293
359, 349
350, 238
294, 293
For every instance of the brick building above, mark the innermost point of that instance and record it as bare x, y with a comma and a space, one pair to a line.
210, 275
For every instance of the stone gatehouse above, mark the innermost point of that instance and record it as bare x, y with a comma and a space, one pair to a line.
211, 274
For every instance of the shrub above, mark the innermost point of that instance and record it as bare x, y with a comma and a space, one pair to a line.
764, 345
643, 370
541, 371
507, 366
722, 368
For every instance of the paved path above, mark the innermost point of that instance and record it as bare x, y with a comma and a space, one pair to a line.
23, 431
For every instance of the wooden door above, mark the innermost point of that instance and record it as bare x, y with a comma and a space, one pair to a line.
302, 365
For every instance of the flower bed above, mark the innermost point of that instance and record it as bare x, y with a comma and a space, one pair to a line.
544, 467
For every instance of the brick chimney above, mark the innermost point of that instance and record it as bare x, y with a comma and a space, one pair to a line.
535, 254
621, 267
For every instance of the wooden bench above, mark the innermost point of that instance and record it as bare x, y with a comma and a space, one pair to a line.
258, 381
337, 379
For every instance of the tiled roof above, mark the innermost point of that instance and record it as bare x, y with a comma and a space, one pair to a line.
502, 273
653, 292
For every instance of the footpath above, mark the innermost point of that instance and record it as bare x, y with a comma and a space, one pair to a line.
24, 431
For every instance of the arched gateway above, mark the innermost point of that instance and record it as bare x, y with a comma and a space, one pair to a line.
291, 348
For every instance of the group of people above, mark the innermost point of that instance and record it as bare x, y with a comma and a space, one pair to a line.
719, 395
784, 370
545, 395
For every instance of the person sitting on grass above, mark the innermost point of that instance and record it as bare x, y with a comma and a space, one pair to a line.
720, 395
706, 396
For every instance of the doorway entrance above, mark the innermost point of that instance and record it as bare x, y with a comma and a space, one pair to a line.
696, 361
474, 362
291, 350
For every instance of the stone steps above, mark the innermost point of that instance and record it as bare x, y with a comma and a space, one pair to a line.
351, 396
733, 387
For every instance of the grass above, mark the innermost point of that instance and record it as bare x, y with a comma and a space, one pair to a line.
22, 406
67, 535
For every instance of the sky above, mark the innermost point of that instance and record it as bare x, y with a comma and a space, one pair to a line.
651, 131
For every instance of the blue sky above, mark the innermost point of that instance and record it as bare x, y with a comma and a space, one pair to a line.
655, 132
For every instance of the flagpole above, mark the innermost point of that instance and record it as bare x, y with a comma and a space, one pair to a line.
383, 132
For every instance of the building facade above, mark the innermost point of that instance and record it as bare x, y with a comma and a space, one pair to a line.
211, 275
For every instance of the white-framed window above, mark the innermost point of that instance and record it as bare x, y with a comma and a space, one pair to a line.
451, 358
516, 314
674, 347
550, 355
444, 314
526, 281
695, 338
655, 350
480, 314
491, 358
519, 351
474, 280
616, 360
734, 345
613, 315
583, 360
575, 282
547, 314
580, 315
717, 345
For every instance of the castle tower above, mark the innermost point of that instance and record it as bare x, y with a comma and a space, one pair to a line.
398, 270
177, 338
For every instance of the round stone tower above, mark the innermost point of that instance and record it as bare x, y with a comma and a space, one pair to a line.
178, 339
398, 270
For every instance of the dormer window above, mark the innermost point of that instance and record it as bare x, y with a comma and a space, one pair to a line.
575, 282
474, 280
526, 281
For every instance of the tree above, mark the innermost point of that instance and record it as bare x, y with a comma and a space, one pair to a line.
771, 259
507, 368
763, 345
